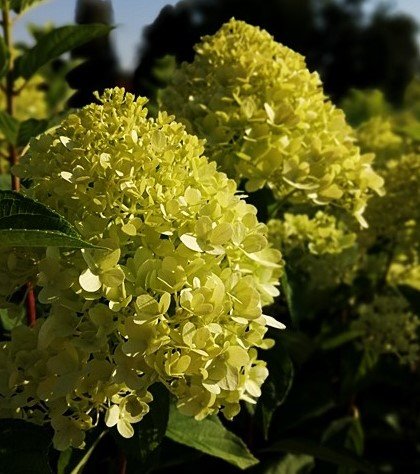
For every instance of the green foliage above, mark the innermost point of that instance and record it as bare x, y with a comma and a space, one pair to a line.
142, 450
276, 387
28, 223
9, 126
210, 437
28, 129
19, 133
388, 326
292, 464
340, 457
23, 448
20, 6
4, 57
73, 461
54, 44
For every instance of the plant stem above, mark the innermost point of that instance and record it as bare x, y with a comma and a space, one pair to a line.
13, 154
7, 31
30, 305
122, 463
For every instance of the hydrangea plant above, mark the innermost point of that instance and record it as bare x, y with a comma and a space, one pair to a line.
172, 295
388, 326
267, 121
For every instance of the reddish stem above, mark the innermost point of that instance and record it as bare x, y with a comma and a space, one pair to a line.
30, 305
122, 463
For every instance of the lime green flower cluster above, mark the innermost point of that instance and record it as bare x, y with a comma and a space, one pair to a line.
267, 120
387, 325
174, 295
319, 235
398, 212
62, 371
320, 247
395, 218
378, 135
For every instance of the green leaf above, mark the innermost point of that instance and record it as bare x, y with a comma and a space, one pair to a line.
294, 285
9, 126
357, 370
209, 436
292, 464
153, 427
55, 43
337, 340
28, 223
5, 182
412, 296
19, 6
142, 449
19, 133
30, 128
23, 448
72, 461
298, 345
345, 433
4, 57
277, 385
340, 457
12, 317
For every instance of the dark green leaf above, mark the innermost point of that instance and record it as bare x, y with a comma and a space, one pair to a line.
298, 345
4, 57
28, 223
292, 464
153, 426
412, 296
5, 182
55, 43
340, 457
209, 436
9, 126
277, 385
346, 433
23, 448
72, 461
12, 317
40, 238
30, 128
294, 285
142, 448
338, 340
19, 6
357, 371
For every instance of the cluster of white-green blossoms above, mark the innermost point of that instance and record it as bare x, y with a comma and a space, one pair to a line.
266, 120
321, 247
394, 219
174, 297
321, 234
387, 325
